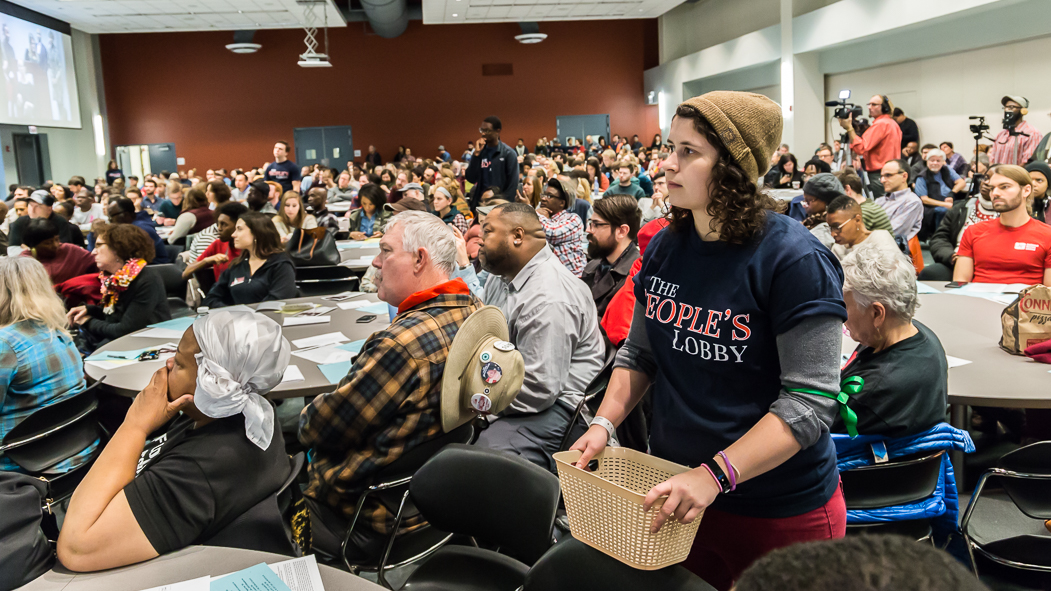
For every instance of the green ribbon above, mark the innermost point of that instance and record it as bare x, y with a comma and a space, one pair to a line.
851, 385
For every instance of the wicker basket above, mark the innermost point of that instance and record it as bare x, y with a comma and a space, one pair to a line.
605, 507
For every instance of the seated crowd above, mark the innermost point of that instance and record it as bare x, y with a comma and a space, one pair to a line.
581, 248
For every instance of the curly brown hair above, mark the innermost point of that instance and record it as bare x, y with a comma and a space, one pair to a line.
128, 242
737, 207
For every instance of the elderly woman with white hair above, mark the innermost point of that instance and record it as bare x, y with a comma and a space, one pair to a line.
896, 379
197, 449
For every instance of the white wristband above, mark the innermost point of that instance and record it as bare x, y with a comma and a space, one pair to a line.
605, 424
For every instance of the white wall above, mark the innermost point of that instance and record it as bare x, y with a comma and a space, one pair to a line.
72, 151
940, 93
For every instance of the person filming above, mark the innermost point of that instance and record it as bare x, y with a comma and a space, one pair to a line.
880, 143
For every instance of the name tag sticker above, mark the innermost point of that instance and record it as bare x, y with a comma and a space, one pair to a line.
1025, 246
237, 281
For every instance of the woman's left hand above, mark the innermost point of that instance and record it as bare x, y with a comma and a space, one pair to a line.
151, 408
688, 494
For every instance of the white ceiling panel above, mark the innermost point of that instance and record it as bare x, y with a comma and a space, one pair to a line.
490, 11
144, 16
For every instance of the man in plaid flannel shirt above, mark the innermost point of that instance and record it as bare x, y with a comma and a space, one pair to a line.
389, 402
564, 229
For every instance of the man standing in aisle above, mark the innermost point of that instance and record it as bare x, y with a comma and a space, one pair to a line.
1017, 141
909, 131
493, 163
282, 170
880, 144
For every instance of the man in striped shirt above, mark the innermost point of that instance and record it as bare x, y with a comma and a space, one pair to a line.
563, 228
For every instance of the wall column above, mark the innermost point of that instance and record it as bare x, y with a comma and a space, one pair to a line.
787, 75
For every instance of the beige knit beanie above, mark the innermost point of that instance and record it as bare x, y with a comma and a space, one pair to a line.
749, 124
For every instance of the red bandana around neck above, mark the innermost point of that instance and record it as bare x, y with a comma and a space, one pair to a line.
455, 286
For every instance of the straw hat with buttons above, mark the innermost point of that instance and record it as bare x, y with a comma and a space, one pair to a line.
483, 372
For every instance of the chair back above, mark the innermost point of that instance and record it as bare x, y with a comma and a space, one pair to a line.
497, 498
905, 480
265, 527
1031, 495
325, 280
55, 432
171, 275
572, 565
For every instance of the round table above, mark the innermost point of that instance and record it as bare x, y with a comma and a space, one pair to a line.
129, 380
189, 563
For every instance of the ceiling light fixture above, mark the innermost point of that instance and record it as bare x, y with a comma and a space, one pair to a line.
244, 47
530, 38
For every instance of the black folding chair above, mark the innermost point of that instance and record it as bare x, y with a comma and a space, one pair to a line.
55, 433
572, 565
319, 281
389, 486
1025, 475
902, 481
592, 393
266, 526
175, 287
500, 500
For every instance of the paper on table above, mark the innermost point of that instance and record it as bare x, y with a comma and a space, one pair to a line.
179, 324
353, 346
322, 355
956, 361
334, 372
300, 574
989, 288
365, 260
321, 340
374, 308
160, 333
292, 374
352, 305
237, 308
1002, 298
301, 320
924, 288
319, 311
269, 306
130, 355
200, 584
257, 578
114, 364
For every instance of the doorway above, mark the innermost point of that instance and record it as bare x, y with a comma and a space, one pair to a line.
143, 159
581, 126
329, 146
31, 158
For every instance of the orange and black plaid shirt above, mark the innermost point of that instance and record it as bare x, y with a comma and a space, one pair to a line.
388, 403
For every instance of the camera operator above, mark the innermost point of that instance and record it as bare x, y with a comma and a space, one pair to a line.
1018, 140
880, 144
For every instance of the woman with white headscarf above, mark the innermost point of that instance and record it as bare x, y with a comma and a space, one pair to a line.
168, 480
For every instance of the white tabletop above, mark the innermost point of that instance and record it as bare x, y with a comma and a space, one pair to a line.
784, 194
358, 258
129, 380
188, 563
969, 328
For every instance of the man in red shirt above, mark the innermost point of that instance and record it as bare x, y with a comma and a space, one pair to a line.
1013, 248
221, 251
881, 142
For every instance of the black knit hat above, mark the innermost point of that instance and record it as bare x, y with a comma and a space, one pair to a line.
823, 186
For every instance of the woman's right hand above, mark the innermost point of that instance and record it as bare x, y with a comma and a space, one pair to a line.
76, 315
358, 236
785, 179
590, 444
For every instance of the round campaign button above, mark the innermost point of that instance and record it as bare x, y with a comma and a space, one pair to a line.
485, 356
481, 403
504, 346
491, 373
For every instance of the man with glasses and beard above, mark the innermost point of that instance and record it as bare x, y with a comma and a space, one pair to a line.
612, 231
493, 163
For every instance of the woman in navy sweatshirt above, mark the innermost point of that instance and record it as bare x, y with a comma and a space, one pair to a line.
726, 298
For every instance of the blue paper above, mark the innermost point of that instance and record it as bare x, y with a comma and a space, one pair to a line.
256, 578
334, 372
924, 288
353, 346
350, 245
376, 308
177, 324
118, 355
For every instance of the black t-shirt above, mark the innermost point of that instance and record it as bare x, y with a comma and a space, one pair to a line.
283, 173
190, 483
113, 175
906, 386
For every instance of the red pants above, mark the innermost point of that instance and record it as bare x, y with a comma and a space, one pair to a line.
728, 544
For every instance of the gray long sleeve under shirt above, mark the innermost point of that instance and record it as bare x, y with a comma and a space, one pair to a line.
809, 355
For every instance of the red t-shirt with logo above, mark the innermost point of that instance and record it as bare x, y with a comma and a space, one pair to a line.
219, 247
1008, 255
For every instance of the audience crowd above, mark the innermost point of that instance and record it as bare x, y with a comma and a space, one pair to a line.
599, 253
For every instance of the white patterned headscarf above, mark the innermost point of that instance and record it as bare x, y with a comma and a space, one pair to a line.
243, 356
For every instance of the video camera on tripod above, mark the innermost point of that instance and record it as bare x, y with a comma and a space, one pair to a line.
978, 129
844, 109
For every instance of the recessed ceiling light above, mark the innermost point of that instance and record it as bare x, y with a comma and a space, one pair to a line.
455, 15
